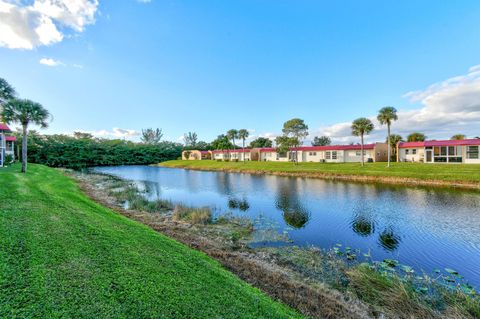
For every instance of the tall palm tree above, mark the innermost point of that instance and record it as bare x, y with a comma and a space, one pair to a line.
25, 112
360, 127
394, 140
385, 116
232, 135
243, 135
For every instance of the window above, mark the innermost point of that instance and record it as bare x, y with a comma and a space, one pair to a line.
328, 155
451, 150
443, 150
359, 153
472, 152
414, 151
334, 155
407, 151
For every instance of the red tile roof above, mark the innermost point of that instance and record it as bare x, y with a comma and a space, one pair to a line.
10, 138
472, 141
4, 127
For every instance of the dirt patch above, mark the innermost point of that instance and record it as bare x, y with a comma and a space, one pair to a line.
255, 267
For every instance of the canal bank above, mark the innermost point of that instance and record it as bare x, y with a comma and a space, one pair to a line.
408, 174
310, 267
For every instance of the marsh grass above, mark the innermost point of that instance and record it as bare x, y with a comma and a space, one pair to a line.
388, 287
193, 215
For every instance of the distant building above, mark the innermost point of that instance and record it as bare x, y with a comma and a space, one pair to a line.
7, 144
445, 151
196, 155
376, 152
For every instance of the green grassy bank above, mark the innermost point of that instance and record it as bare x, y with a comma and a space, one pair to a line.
449, 173
63, 255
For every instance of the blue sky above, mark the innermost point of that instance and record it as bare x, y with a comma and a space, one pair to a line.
208, 66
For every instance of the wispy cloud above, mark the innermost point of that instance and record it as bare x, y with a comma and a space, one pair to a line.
42, 22
447, 107
50, 62
114, 133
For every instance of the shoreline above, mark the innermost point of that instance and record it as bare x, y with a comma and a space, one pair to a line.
371, 179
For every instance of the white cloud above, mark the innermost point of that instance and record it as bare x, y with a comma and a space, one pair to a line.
43, 22
114, 133
50, 62
448, 107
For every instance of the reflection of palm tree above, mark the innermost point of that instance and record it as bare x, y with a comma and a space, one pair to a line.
389, 240
362, 225
363, 222
294, 213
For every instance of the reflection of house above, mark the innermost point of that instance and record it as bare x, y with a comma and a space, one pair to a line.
446, 151
6, 144
196, 155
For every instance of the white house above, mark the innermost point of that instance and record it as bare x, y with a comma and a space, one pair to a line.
444, 151
7, 144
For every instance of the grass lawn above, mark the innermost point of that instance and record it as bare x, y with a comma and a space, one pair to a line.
441, 172
63, 255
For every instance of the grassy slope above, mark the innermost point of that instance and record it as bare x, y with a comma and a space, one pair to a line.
62, 255
442, 172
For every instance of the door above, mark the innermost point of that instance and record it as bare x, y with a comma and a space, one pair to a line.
428, 156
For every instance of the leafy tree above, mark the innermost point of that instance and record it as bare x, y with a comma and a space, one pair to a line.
232, 135
151, 136
7, 92
386, 116
260, 142
296, 131
285, 143
222, 142
458, 137
416, 137
190, 139
203, 146
360, 127
394, 140
243, 135
25, 112
321, 141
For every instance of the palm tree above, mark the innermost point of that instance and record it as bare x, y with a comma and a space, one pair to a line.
243, 135
385, 116
394, 140
360, 127
232, 135
416, 137
25, 112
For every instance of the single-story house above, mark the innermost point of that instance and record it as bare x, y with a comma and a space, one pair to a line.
233, 155
444, 151
196, 155
376, 152
7, 144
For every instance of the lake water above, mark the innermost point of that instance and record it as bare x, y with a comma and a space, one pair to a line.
421, 227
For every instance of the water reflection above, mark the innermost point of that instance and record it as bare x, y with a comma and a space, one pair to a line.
241, 204
294, 213
389, 240
422, 227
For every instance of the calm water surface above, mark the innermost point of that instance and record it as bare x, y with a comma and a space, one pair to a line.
423, 228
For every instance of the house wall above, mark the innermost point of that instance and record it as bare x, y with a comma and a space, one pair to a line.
355, 156
273, 157
311, 156
407, 154
470, 160
380, 152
